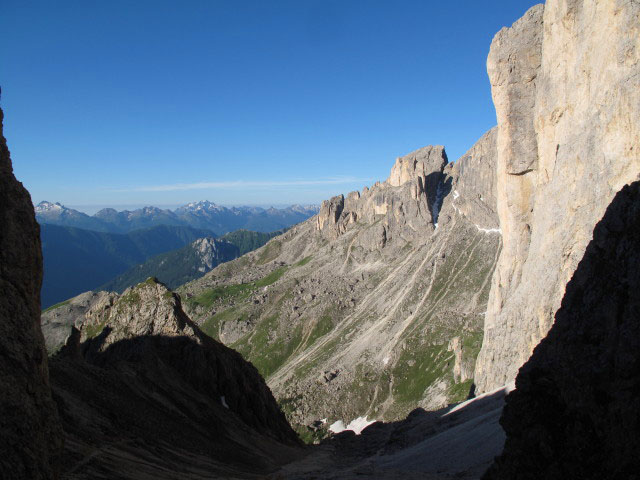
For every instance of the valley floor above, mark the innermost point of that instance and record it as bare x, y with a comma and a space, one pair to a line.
455, 442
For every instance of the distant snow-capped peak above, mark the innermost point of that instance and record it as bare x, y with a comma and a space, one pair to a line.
201, 206
45, 206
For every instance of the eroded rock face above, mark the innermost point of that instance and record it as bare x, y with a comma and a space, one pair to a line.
407, 204
143, 386
211, 253
30, 433
576, 410
146, 309
474, 174
418, 167
330, 212
566, 85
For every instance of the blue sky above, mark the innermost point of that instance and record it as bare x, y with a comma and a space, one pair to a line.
239, 102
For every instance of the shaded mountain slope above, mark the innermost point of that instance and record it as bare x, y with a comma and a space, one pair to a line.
247, 240
373, 307
576, 410
192, 261
143, 393
177, 267
77, 260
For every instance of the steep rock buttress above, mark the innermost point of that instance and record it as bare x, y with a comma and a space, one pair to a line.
565, 81
576, 410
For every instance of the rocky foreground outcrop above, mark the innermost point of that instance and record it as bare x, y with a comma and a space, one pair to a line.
30, 433
137, 392
576, 410
565, 81
142, 391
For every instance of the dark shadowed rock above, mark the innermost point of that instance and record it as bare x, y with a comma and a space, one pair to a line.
147, 394
30, 434
454, 443
576, 410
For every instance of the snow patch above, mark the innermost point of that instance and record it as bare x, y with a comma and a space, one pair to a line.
357, 425
45, 206
385, 360
489, 230
337, 427
480, 229
223, 401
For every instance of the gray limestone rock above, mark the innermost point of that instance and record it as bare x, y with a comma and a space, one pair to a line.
329, 214
478, 180
513, 66
566, 85
58, 322
576, 411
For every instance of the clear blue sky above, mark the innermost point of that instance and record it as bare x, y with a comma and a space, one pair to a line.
239, 102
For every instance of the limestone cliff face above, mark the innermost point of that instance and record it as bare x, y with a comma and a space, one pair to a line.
576, 411
474, 174
566, 85
406, 204
419, 167
30, 433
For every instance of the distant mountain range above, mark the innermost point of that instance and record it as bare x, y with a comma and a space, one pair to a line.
192, 261
204, 215
77, 260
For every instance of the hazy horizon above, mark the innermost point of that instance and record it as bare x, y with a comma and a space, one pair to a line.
249, 102
91, 209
